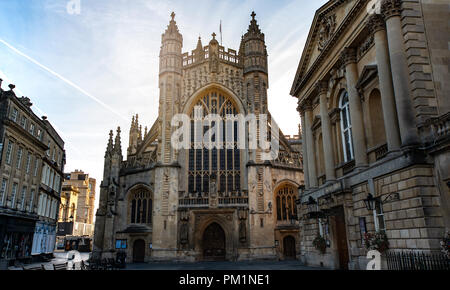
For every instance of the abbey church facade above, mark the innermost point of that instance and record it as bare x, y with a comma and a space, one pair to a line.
191, 204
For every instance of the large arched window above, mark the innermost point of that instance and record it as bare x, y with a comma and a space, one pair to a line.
204, 164
285, 199
140, 204
346, 127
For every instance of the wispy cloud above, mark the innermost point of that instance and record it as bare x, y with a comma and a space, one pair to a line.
101, 66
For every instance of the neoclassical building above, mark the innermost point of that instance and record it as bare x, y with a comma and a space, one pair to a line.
373, 95
191, 204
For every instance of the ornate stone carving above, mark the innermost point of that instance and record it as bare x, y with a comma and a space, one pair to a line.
390, 8
326, 30
322, 87
348, 55
243, 214
365, 46
184, 229
376, 23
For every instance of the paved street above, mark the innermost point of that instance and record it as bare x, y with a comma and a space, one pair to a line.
62, 257
260, 265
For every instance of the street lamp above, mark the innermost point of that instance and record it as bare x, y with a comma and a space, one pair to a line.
370, 202
312, 205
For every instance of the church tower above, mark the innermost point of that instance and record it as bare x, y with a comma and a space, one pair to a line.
253, 53
167, 168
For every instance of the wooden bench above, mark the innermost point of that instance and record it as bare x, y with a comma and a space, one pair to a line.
60, 267
41, 267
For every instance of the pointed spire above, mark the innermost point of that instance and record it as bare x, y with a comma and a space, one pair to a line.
132, 122
199, 44
172, 28
253, 28
117, 144
109, 148
140, 133
145, 134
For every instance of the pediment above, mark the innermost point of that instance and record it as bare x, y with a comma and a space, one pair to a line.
327, 21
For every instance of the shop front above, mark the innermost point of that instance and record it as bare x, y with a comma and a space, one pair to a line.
16, 237
44, 239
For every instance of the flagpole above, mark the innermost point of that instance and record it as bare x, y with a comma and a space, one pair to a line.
221, 32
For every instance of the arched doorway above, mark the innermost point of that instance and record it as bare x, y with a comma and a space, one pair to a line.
213, 242
289, 247
138, 251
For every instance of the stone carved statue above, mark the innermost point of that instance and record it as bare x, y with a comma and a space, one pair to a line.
184, 233
242, 232
326, 30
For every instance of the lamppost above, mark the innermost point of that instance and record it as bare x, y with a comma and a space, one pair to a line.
370, 202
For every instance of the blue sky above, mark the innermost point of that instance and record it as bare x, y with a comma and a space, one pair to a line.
92, 71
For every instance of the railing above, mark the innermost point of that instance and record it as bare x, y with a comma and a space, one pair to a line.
417, 261
381, 152
441, 126
233, 201
348, 167
194, 202
229, 56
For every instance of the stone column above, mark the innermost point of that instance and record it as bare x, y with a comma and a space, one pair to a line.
304, 149
310, 146
322, 87
356, 117
391, 10
377, 26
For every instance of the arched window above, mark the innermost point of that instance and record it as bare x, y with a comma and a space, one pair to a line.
222, 164
140, 204
286, 207
346, 127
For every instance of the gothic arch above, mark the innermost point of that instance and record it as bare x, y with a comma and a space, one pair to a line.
284, 182
198, 94
226, 227
289, 190
136, 186
139, 204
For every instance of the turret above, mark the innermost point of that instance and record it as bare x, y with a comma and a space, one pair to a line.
170, 87
255, 52
171, 46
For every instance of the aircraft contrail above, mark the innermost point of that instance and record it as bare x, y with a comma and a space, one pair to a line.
63, 79
63, 135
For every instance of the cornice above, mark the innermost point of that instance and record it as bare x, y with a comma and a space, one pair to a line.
326, 50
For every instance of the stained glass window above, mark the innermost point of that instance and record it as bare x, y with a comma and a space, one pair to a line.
224, 163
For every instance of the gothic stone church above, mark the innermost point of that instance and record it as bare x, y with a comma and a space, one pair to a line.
201, 204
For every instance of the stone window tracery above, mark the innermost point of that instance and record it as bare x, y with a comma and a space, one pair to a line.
285, 202
222, 164
140, 204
